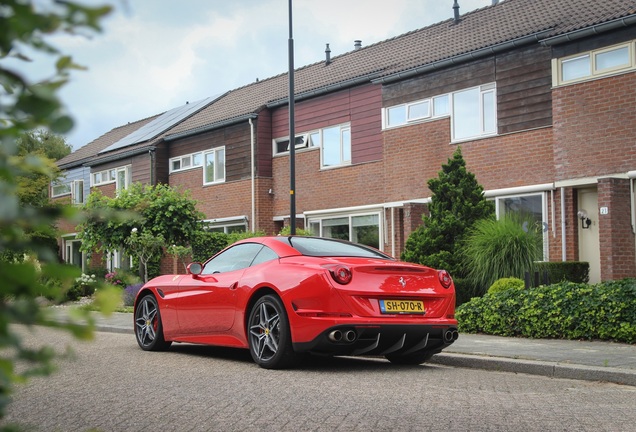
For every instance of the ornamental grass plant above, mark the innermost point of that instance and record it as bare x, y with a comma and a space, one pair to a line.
503, 248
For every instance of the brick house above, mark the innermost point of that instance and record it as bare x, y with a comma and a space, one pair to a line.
539, 94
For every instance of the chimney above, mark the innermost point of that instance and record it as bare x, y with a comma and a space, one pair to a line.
327, 55
494, 2
456, 10
357, 44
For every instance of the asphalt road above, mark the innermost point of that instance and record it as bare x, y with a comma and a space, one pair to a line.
112, 385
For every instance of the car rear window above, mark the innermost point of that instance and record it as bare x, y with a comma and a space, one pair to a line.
324, 247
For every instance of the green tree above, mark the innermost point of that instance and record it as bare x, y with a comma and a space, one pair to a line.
27, 106
158, 210
45, 143
457, 202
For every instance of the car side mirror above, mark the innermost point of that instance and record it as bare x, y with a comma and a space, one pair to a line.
195, 268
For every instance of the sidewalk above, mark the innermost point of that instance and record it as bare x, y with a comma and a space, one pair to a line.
582, 360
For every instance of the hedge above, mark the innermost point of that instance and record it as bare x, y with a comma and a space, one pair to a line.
605, 311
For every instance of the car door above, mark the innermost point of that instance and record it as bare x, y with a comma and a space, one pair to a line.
207, 302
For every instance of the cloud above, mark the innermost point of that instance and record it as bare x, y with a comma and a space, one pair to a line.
155, 55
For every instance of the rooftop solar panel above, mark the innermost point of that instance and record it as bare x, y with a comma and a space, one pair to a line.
159, 125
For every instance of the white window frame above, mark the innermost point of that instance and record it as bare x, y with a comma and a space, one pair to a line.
483, 90
345, 155
190, 159
302, 141
318, 220
544, 216
226, 224
594, 72
218, 179
77, 188
116, 259
408, 118
127, 177
65, 187
70, 243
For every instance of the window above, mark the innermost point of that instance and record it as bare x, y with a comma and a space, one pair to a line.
281, 145
336, 146
77, 192
594, 64
364, 229
120, 176
59, 189
400, 115
474, 113
189, 161
235, 258
122, 180
117, 259
72, 253
531, 210
214, 167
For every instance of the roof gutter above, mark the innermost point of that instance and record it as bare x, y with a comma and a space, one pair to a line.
590, 31
463, 58
114, 157
328, 89
210, 127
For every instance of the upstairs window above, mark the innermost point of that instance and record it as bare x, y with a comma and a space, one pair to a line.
412, 112
214, 166
186, 162
336, 146
77, 192
474, 113
594, 64
281, 145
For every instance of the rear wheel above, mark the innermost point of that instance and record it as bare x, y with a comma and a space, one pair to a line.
269, 335
415, 358
148, 326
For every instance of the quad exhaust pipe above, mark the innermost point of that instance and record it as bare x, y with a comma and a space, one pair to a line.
340, 336
451, 335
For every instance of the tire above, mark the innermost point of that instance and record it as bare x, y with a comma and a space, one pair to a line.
415, 358
269, 336
148, 326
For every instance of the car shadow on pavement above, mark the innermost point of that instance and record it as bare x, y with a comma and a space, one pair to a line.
308, 363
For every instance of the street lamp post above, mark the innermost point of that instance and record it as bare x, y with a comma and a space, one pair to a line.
292, 134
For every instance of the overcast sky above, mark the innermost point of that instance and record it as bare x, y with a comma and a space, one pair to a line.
155, 55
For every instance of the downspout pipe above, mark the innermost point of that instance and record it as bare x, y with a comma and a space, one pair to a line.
563, 237
253, 173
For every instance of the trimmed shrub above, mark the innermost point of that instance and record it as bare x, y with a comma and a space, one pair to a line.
567, 310
559, 271
505, 284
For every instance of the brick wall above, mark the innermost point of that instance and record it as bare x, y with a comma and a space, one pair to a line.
617, 246
592, 122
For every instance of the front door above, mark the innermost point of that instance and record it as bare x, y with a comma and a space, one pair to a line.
589, 241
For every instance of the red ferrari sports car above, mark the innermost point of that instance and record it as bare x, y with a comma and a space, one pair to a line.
288, 295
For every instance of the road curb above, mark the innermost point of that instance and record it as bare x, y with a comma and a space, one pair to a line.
533, 367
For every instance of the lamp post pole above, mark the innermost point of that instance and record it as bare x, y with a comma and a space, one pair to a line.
292, 134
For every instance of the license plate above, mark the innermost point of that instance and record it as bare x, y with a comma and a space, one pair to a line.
402, 306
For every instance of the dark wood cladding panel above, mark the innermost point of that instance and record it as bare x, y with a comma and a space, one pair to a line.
161, 168
594, 42
360, 106
439, 82
263, 134
140, 168
237, 142
523, 78
524, 89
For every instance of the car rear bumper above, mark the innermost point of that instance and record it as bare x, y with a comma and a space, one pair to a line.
383, 339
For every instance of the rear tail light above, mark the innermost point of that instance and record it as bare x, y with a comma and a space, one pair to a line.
444, 278
340, 273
